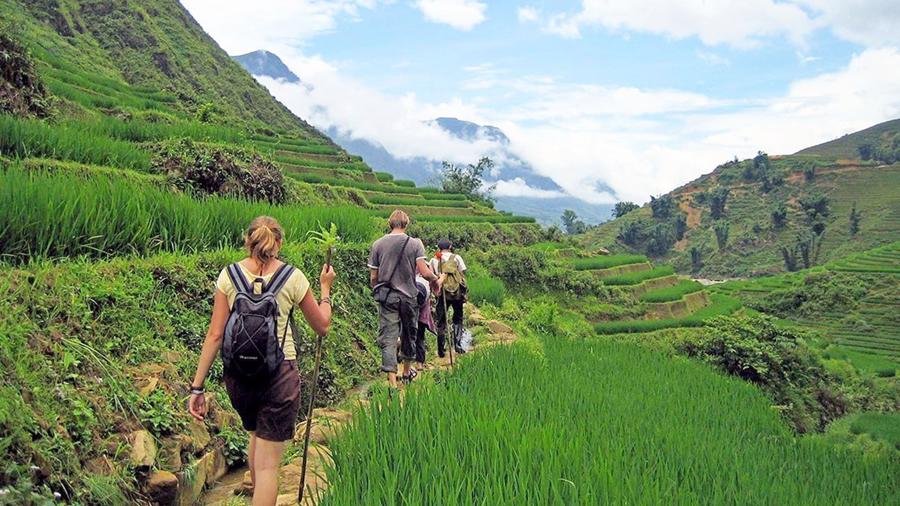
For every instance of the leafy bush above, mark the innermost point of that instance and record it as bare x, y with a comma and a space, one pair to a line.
757, 350
517, 266
815, 293
476, 235
219, 170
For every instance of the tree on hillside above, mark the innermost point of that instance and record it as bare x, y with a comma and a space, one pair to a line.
721, 229
758, 168
572, 224
662, 206
680, 226
809, 172
855, 217
623, 208
866, 151
632, 233
815, 206
717, 198
779, 215
467, 179
660, 240
696, 260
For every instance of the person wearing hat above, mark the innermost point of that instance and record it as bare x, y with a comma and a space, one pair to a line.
452, 271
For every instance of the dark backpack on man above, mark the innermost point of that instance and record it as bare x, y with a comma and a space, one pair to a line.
250, 347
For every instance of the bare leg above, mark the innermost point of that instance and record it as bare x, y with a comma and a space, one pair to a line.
251, 458
267, 460
392, 379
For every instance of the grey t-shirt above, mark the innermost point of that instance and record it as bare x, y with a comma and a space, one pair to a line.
386, 256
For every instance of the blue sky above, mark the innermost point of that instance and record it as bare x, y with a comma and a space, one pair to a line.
639, 95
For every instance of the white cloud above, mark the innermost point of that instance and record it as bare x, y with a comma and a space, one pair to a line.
872, 23
460, 14
398, 123
740, 23
277, 25
517, 187
528, 14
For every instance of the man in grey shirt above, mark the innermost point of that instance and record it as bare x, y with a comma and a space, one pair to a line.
393, 263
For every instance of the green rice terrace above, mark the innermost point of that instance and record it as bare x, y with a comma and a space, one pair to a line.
133, 154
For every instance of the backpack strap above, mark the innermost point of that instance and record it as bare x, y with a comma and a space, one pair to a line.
237, 278
279, 279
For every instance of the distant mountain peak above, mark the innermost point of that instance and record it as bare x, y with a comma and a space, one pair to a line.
468, 131
266, 63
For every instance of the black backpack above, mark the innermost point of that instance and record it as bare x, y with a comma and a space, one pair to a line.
250, 347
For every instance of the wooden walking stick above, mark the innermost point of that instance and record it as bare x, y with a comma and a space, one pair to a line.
328, 238
447, 326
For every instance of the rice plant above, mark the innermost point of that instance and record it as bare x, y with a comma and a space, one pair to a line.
34, 138
573, 422
672, 293
401, 201
633, 278
484, 288
719, 305
605, 262
62, 215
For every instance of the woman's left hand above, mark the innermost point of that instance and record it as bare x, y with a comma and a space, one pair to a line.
197, 406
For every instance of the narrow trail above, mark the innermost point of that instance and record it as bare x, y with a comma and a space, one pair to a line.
232, 488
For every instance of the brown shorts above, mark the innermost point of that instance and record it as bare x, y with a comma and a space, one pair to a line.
268, 407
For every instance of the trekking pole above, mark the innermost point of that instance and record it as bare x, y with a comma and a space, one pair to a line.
312, 400
309, 412
447, 326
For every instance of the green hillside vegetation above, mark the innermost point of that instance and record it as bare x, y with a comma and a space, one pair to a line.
133, 152
851, 304
772, 214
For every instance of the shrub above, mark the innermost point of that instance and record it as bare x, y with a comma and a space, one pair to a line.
220, 170
662, 207
517, 266
758, 350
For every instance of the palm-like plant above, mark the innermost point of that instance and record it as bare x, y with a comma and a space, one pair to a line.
328, 237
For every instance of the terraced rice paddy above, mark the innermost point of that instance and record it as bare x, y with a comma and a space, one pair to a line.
872, 329
623, 425
606, 262
672, 293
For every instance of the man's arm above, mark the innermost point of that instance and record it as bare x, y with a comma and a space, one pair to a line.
425, 270
373, 277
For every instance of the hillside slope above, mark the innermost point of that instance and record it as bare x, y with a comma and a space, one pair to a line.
770, 214
154, 44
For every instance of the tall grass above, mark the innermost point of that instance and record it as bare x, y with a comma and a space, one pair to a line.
672, 293
633, 278
591, 423
719, 305
142, 131
62, 215
605, 262
484, 288
34, 138
400, 201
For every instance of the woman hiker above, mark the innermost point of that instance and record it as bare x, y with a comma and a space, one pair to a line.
254, 300
426, 323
